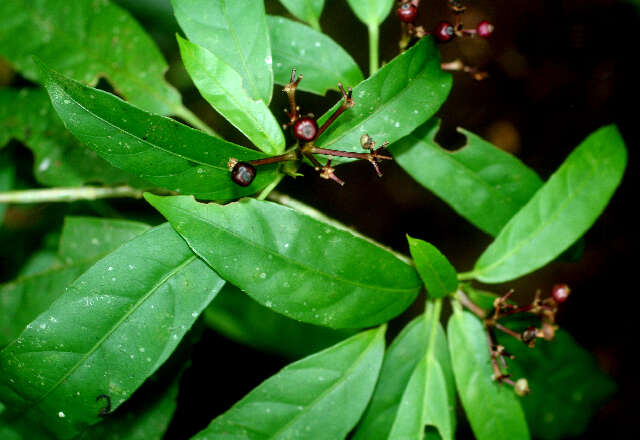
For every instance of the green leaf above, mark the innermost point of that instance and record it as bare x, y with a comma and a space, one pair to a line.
157, 149
494, 411
319, 397
238, 317
7, 177
60, 160
400, 96
148, 420
305, 10
113, 327
297, 266
438, 275
560, 212
567, 385
222, 87
415, 376
322, 61
87, 40
371, 12
83, 242
236, 32
482, 183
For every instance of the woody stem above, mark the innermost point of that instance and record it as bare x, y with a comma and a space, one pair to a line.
328, 152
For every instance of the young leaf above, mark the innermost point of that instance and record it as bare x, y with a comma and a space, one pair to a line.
157, 149
83, 242
438, 275
560, 212
236, 32
238, 317
482, 183
60, 160
113, 327
567, 385
87, 40
371, 12
494, 411
305, 10
415, 376
297, 266
322, 61
222, 87
319, 397
402, 95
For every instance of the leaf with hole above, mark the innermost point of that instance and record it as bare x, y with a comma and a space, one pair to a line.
59, 159
222, 87
240, 318
236, 33
560, 212
305, 10
482, 183
83, 242
320, 397
157, 149
493, 410
87, 40
389, 105
297, 266
416, 386
113, 327
322, 61
438, 275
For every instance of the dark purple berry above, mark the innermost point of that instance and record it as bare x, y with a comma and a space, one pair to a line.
407, 12
444, 32
305, 129
560, 293
243, 173
484, 29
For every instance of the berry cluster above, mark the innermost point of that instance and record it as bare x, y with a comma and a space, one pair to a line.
545, 309
306, 131
444, 31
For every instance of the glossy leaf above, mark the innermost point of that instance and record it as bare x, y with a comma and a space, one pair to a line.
319, 397
482, 183
59, 159
87, 40
371, 12
400, 96
404, 388
148, 420
322, 61
157, 149
438, 275
83, 242
305, 10
493, 411
238, 317
567, 385
297, 266
560, 212
235, 32
113, 327
222, 87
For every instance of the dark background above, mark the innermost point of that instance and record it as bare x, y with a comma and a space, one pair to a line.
558, 71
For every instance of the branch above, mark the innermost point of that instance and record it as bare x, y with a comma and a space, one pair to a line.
69, 194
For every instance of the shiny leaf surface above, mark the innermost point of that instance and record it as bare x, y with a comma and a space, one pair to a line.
438, 275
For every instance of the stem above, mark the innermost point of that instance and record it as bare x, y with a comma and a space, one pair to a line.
265, 192
192, 119
374, 35
466, 301
69, 194
274, 159
464, 276
327, 152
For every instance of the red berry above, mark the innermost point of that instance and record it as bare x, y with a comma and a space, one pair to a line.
243, 173
305, 129
484, 29
407, 12
560, 293
444, 32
